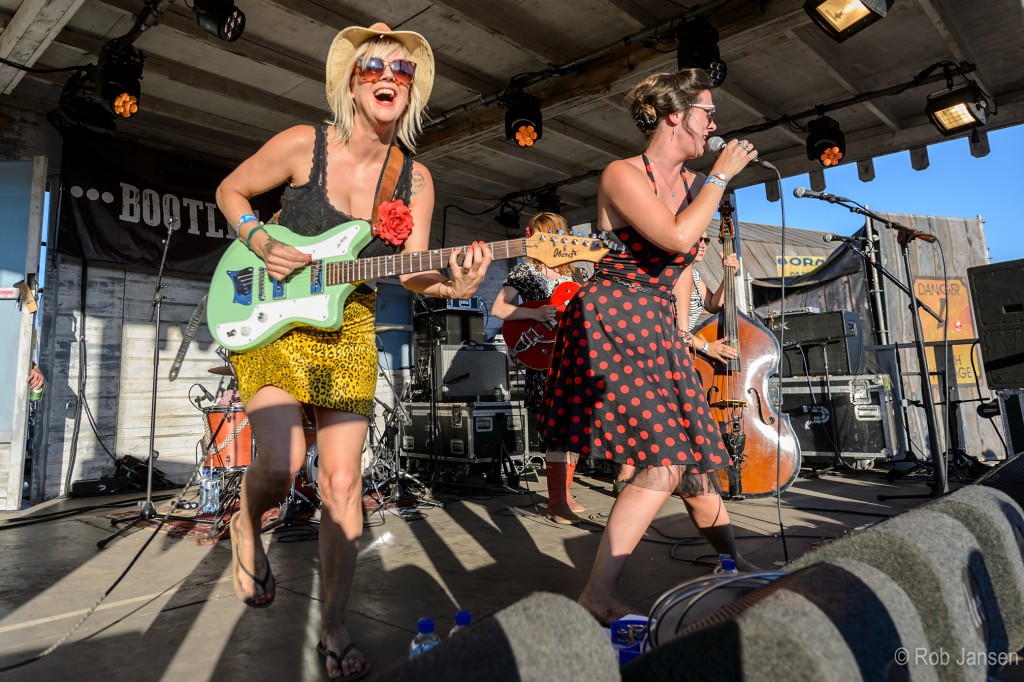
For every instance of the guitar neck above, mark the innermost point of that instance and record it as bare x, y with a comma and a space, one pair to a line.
343, 272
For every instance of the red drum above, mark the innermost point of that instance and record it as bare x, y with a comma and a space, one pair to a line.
228, 439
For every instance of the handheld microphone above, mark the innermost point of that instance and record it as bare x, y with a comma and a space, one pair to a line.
829, 237
717, 144
804, 193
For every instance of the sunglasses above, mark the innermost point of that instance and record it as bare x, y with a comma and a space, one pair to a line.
371, 69
709, 108
704, 240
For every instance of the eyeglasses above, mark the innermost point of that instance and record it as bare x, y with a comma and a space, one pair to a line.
710, 108
371, 69
705, 240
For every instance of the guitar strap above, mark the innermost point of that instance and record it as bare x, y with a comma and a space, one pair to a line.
388, 180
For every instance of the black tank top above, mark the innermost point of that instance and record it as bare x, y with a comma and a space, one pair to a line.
306, 210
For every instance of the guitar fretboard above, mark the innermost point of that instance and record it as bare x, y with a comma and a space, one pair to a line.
417, 261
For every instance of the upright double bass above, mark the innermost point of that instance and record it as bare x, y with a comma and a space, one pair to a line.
764, 449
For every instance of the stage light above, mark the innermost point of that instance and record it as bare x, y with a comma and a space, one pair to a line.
78, 105
698, 48
826, 143
219, 17
955, 111
523, 121
841, 19
117, 79
508, 216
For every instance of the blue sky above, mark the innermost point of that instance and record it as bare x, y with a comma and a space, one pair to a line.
955, 185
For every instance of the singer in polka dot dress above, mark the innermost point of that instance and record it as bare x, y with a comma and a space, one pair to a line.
622, 385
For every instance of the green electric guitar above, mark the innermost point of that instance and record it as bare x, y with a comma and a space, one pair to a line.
247, 308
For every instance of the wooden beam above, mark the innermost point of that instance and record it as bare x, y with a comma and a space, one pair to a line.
273, 54
755, 106
504, 21
633, 14
591, 139
202, 80
533, 156
822, 51
936, 11
35, 25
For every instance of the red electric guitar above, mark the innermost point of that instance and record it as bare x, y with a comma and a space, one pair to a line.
530, 341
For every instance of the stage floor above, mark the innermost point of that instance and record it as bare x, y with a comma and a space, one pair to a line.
174, 616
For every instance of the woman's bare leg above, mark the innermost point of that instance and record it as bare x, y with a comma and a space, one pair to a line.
276, 421
631, 515
340, 438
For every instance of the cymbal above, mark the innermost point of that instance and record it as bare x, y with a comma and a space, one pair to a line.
220, 370
384, 328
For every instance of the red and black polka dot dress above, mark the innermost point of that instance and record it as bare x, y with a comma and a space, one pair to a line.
621, 385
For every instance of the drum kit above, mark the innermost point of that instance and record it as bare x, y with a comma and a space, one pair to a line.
230, 448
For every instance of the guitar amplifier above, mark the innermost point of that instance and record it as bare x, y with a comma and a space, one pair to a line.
467, 373
814, 340
454, 326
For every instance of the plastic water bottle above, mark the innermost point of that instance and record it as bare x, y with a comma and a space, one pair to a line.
212, 504
425, 638
462, 621
726, 564
204, 491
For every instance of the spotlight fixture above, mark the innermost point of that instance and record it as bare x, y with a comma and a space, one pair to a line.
78, 105
955, 111
698, 48
508, 216
549, 201
219, 17
841, 19
523, 120
826, 143
118, 74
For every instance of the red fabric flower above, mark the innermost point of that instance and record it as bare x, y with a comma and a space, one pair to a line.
394, 222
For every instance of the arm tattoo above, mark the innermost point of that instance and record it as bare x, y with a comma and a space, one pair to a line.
418, 182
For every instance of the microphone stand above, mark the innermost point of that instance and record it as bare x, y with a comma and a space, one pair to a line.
905, 235
147, 510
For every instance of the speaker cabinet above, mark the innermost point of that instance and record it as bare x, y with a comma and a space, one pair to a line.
832, 622
941, 566
469, 373
814, 341
997, 295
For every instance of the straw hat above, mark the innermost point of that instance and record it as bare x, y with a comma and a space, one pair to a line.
339, 59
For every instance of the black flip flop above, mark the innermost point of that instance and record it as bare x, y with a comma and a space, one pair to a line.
258, 582
323, 652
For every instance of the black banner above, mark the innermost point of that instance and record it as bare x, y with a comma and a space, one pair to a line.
119, 198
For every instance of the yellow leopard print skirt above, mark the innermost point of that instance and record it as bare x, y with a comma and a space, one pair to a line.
334, 369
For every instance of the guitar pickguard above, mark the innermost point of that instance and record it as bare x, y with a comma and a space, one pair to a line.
265, 316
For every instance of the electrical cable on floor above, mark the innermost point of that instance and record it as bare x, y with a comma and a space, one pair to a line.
69, 513
92, 609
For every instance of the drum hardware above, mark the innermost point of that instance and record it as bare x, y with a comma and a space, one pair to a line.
385, 471
385, 328
289, 509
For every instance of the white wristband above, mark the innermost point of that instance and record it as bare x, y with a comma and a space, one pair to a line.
705, 348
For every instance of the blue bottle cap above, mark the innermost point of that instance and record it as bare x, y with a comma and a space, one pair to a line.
426, 625
463, 618
728, 564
